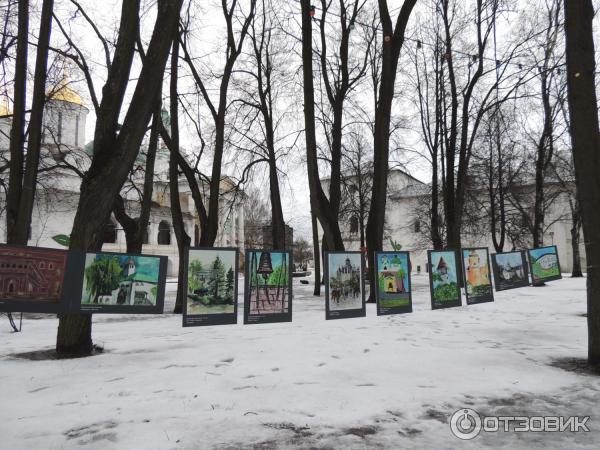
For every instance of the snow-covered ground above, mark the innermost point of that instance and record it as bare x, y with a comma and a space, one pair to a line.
373, 382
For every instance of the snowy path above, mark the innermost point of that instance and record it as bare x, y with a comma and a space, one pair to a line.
374, 382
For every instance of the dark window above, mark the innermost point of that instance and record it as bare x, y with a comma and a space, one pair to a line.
59, 131
77, 130
110, 233
146, 237
417, 226
196, 235
164, 233
353, 224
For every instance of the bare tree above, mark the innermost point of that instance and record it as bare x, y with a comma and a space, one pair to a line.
218, 111
318, 200
393, 39
342, 69
357, 184
552, 89
585, 135
255, 211
259, 115
115, 151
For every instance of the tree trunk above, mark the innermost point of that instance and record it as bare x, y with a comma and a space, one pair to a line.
17, 131
277, 222
35, 126
318, 200
393, 38
436, 238
183, 239
135, 228
575, 232
316, 255
74, 334
585, 136
111, 163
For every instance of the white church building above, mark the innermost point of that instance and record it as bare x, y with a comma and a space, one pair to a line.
65, 156
404, 225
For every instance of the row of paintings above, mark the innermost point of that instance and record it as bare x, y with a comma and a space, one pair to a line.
211, 288
510, 271
34, 279
48, 280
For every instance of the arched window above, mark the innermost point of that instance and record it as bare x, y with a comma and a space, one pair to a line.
146, 237
164, 233
353, 224
417, 226
110, 233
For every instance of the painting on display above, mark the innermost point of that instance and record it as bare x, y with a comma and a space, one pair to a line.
510, 270
393, 283
344, 285
32, 279
123, 283
544, 264
476, 270
268, 286
443, 279
210, 286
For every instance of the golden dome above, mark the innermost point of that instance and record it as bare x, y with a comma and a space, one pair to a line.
64, 93
4, 109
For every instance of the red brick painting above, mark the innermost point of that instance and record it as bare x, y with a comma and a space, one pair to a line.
32, 275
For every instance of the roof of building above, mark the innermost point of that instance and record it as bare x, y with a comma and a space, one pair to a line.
412, 190
349, 175
62, 92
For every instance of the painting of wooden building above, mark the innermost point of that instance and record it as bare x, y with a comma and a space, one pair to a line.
34, 275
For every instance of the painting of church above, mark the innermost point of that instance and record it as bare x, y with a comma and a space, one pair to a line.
443, 281
345, 287
393, 283
32, 275
477, 269
478, 284
116, 279
442, 268
392, 274
510, 270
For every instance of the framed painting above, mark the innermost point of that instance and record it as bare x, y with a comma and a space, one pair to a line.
477, 275
443, 279
344, 285
268, 286
392, 283
211, 286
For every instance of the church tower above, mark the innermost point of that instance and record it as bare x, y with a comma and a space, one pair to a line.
64, 119
5, 124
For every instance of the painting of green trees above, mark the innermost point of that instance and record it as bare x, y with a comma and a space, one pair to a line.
102, 276
211, 281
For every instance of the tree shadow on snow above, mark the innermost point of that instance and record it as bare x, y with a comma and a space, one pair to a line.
51, 354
